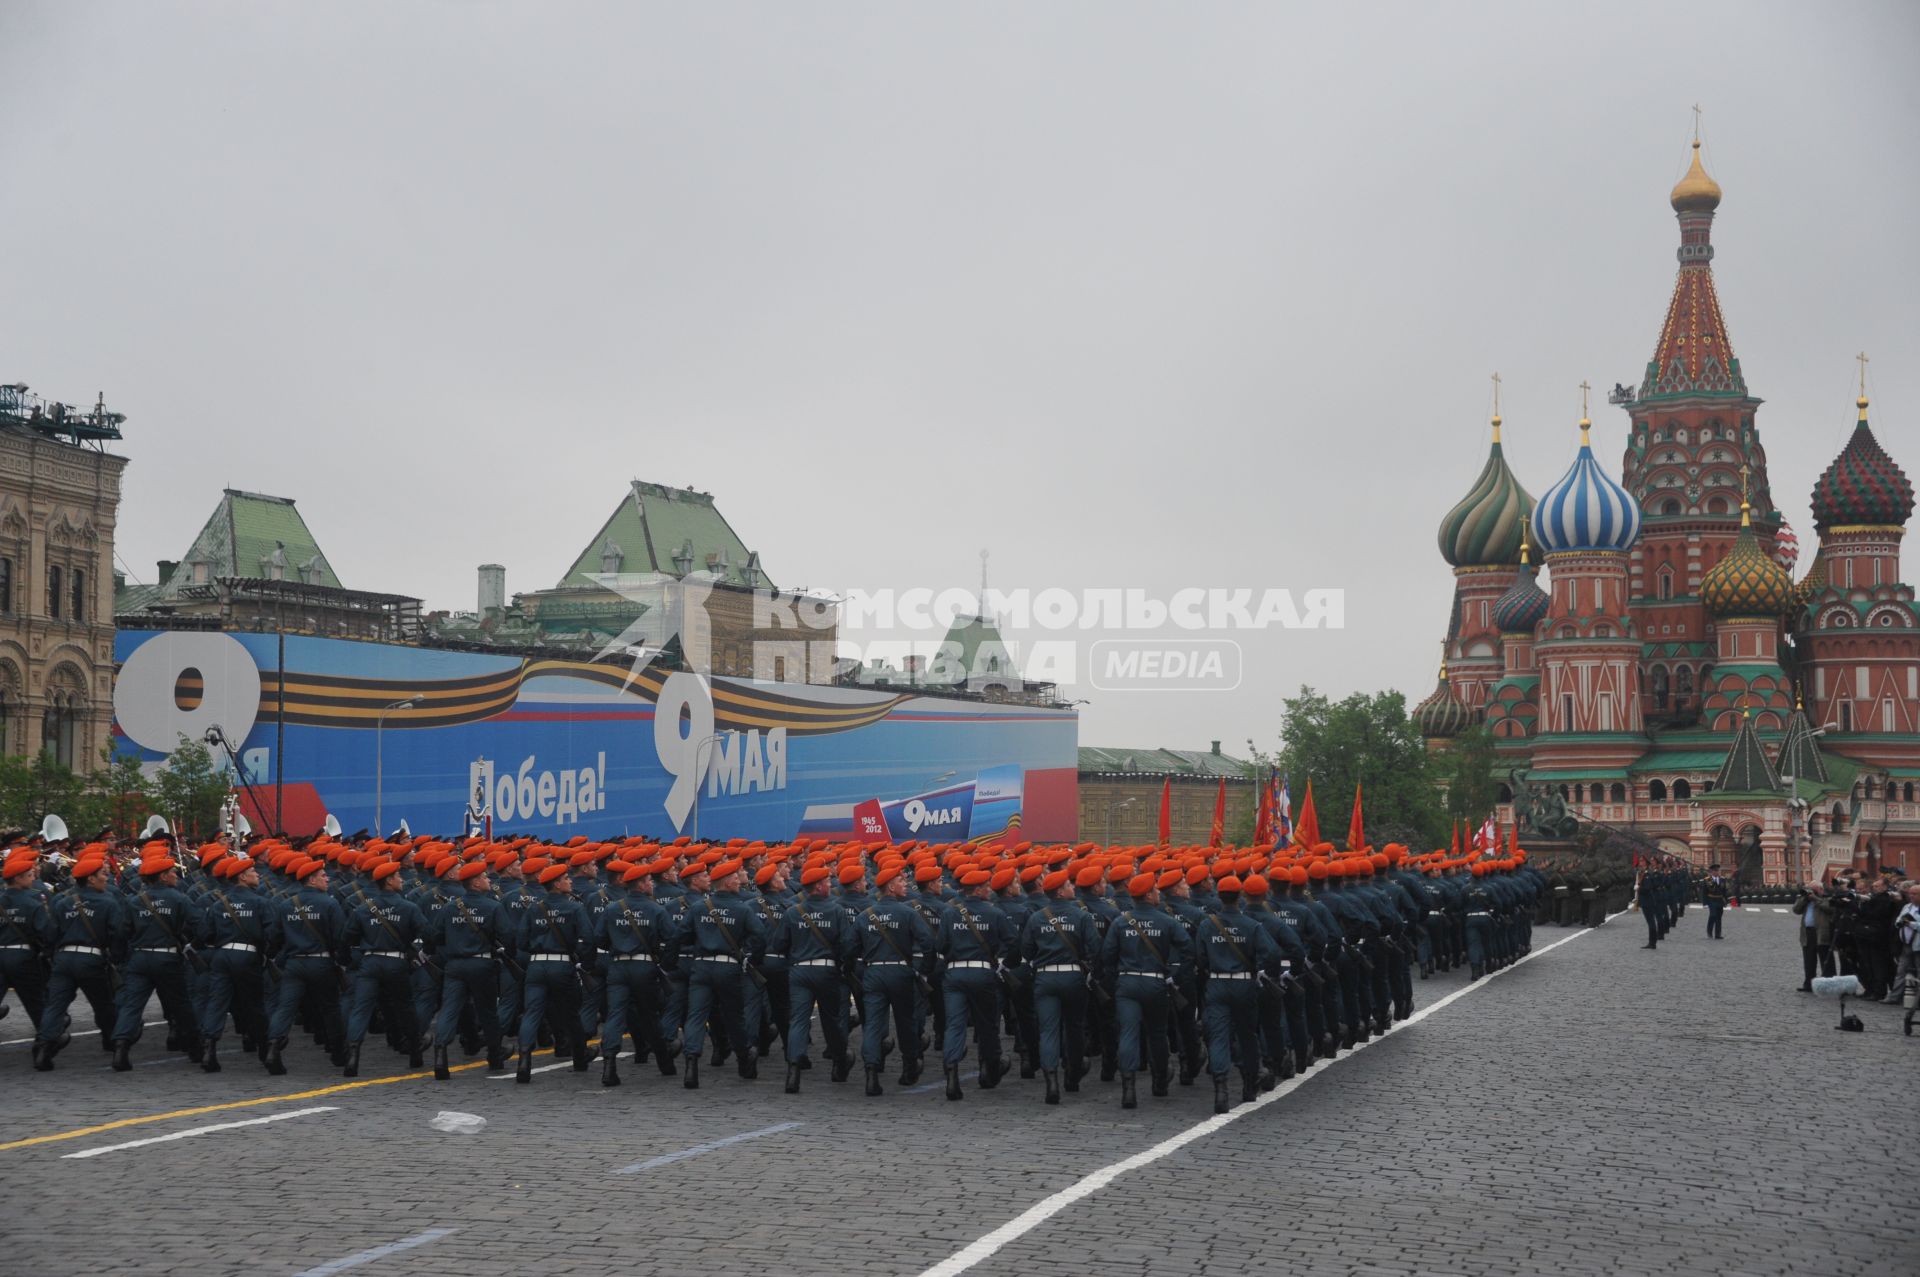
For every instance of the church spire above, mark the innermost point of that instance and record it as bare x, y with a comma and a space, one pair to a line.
1694, 356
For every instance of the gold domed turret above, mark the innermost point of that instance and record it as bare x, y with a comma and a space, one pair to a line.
1696, 192
1747, 582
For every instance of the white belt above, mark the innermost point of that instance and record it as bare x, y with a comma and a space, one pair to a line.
1436, 913
631, 957
152, 949
1147, 975
816, 962
1056, 966
715, 957
781, 956
78, 948
1231, 975
381, 953
244, 948
543, 957
889, 962
964, 966
15, 946
1479, 914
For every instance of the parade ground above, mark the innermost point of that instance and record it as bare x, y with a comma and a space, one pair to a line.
1596, 1108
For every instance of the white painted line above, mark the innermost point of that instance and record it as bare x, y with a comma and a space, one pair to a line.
83, 1033
544, 1068
1779, 910
1025, 1222
198, 1130
378, 1252
941, 1085
667, 1158
147, 1064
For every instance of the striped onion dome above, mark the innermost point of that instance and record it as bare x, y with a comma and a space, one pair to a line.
1586, 510
1441, 715
1863, 485
1786, 547
1747, 582
1486, 528
1521, 609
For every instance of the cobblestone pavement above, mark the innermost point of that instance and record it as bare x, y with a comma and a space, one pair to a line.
1597, 1109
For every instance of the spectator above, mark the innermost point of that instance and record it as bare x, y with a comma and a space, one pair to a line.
1815, 912
1907, 931
1875, 939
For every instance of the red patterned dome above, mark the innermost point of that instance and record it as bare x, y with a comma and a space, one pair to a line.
1863, 485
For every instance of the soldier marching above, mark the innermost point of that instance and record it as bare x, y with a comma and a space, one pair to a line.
1245, 964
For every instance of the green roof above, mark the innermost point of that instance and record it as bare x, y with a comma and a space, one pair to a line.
1682, 760
251, 534
978, 655
1162, 762
1800, 755
673, 531
1581, 773
1747, 770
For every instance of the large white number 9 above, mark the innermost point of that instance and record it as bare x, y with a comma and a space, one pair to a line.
682, 725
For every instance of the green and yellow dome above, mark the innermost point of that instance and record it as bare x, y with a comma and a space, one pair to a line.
1484, 530
1749, 581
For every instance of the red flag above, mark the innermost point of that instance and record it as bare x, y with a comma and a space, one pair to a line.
1166, 811
1356, 830
1306, 830
1220, 815
1263, 817
1513, 841
1456, 840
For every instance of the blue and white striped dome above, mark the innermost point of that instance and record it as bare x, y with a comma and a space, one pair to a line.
1586, 510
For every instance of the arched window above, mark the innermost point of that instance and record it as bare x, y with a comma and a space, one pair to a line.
1566, 793
60, 723
1717, 505
1683, 681
1682, 790
1659, 688
79, 600
1663, 584
1839, 818
1657, 791
1906, 792
6, 585
1846, 716
1619, 794
1669, 506
54, 581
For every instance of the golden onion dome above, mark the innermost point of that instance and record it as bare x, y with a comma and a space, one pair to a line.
1748, 581
1696, 192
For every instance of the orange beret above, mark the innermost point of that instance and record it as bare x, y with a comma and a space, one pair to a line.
764, 874
468, 869
728, 867
633, 873
1255, 885
1317, 869
974, 877
1031, 872
552, 872
814, 873
1002, 878
17, 865
1169, 878
887, 875
1087, 876
852, 872
385, 870
1197, 875
1140, 884
88, 866
1054, 881
306, 868
156, 865
1228, 885
1121, 871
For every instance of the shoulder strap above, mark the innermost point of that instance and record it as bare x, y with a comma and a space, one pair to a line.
479, 930
1133, 927
1233, 944
719, 921
367, 904
800, 907
553, 926
653, 947
1065, 934
887, 936
86, 920
153, 912
974, 926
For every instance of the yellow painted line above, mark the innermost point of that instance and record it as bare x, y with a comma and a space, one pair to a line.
231, 1104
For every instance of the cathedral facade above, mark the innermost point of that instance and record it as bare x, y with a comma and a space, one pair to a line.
1669, 676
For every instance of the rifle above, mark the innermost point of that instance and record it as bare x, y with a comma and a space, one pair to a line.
1180, 1002
417, 955
920, 983
754, 973
114, 977
1101, 994
499, 951
194, 958
1000, 972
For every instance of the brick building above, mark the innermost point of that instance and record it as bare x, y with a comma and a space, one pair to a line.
1120, 793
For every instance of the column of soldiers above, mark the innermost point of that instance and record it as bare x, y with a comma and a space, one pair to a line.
1056, 960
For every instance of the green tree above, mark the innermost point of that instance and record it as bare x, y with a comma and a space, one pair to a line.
1470, 772
116, 797
1363, 740
35, 787
189, 788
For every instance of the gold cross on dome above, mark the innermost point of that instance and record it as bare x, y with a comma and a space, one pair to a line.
1696, 122
1585, 389
1862, 357
1496, 394
1746, 473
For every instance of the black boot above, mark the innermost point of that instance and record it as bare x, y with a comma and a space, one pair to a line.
583, 1055
1160, 1083
1249, 1086
720, 1053
910, 1070
524, 1074
609, 1071
1053, 1086
691, 1081
1302, 1059
275, 1065
441, 1072
793, 1079
210, 1055
1075, 1071
992, 1071
1029, 1065
417, 1054
667, 1068
842, 1067
1128, 1098
1479, 971
1286, 1065
196, 1049
1220, 1101
42, 1057
953, 1081
122, 1057
352, 1067
1109, 1066
1189, 1070
873, 1081
749, 1065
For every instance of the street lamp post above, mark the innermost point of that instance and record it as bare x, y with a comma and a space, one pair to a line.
380, 758
1111, 808
699, 779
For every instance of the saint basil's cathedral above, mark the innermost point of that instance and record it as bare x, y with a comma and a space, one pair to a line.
1641, 652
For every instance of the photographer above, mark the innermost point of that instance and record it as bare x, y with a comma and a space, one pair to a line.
1848, 935
1906, 928
1875, 940
1815, 912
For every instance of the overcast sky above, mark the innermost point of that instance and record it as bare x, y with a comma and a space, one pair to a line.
1132, 295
